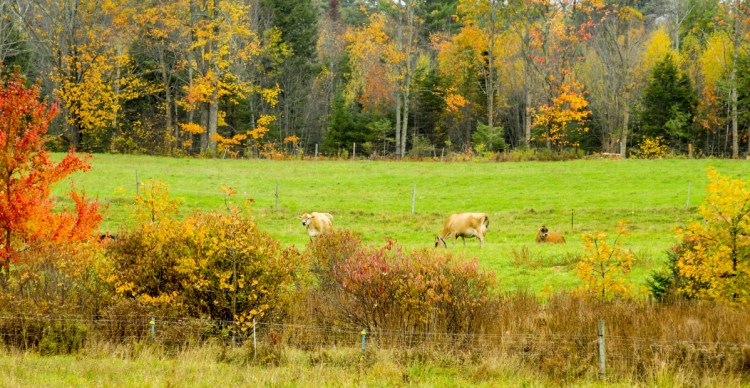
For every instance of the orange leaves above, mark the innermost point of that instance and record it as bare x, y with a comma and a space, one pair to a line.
565, 116
454, 102
27, 215
376, 63
293, 140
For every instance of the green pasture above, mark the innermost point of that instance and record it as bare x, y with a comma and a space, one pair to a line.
374, 198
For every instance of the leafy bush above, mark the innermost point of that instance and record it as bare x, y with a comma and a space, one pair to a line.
388, 288
328, 251
63, 337
652, 148
714, 263
605, 267
54, 279
211, 265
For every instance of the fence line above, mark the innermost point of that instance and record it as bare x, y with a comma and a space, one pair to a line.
623, 353
164, 321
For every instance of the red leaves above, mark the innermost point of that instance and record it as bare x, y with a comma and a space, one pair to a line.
392, 288
27, 174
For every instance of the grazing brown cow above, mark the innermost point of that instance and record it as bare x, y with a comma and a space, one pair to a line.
464, 225
547, 236
317, 223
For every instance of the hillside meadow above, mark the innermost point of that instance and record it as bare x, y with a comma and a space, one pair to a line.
374, 199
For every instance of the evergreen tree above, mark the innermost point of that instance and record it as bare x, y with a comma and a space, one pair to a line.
668, 105
298, 22
346, 126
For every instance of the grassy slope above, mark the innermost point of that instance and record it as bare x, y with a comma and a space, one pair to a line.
374, 199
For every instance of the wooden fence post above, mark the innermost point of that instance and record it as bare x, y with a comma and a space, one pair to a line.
413, 197
602, 353
255, 342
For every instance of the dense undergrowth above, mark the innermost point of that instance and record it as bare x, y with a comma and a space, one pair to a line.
418, 309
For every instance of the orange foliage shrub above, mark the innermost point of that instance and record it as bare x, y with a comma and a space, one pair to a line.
46, 254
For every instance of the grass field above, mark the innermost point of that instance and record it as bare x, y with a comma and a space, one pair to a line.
209, 366
374, 199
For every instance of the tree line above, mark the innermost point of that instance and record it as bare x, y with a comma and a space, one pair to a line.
272, 78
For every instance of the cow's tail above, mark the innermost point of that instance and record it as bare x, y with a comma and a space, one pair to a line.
486, 221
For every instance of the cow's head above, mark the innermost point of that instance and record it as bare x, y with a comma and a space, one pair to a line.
439, 240
543, 232
306, 219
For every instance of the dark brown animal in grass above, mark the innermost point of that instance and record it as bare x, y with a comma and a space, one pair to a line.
547, 236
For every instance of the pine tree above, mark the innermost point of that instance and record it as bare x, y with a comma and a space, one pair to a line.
668, 105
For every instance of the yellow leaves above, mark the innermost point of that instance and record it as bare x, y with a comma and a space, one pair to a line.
604, 269
715, 60
271, 95
265, 120
658, 46
652, 148
192, 128
153, 202
629, 13
716, 252
262, 126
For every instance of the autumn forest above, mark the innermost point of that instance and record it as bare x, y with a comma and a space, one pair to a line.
410, 78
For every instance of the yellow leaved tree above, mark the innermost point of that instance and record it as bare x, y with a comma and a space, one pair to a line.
605, 268
715, 256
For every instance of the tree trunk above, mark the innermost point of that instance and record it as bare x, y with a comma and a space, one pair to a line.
213, 121
204, 124
168, 102
625, 123
526, 82
398, 124
405, 122
733, 103
733, 81
526, 108
118, 74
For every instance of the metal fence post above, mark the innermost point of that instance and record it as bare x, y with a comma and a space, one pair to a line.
153, 328
364, 336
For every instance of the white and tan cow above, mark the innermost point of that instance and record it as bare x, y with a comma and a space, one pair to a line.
544, 235
464, 225
317, 223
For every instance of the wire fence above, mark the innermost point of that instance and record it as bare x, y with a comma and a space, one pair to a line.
547, 350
